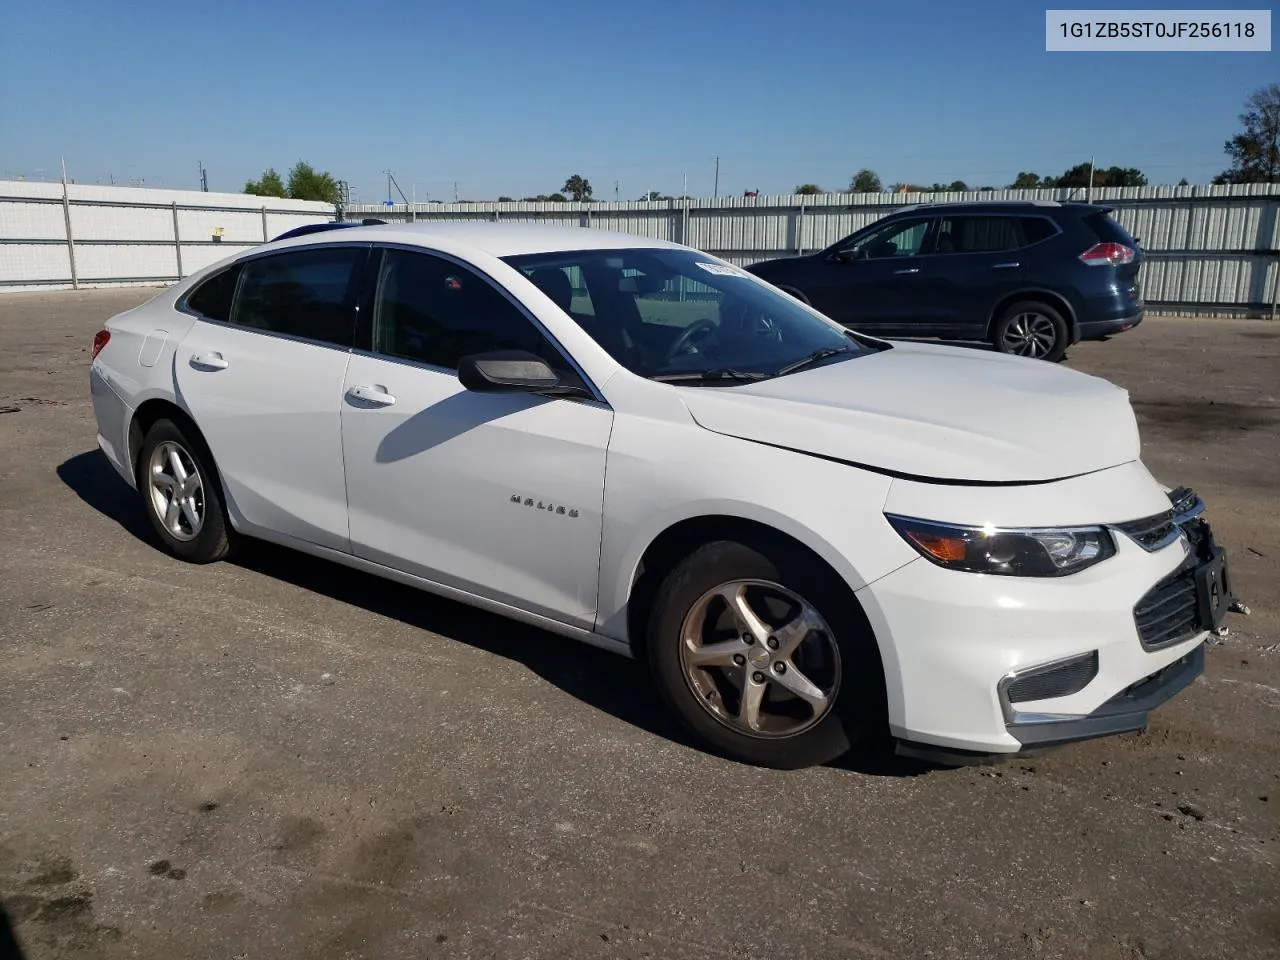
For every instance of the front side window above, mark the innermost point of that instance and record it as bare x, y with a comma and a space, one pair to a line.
977, 235
903, 239
434, 311
674, 314
303, 293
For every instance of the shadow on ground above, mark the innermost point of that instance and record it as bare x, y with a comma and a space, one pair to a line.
610, 683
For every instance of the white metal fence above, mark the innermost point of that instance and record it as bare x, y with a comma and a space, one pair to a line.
1209, 249
82, 235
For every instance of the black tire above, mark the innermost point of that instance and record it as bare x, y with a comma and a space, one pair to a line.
211, 540
856, 715
1031, 328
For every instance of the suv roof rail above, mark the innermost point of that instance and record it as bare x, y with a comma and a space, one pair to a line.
307, 228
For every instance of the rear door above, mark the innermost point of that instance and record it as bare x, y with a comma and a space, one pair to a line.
873, 283
264, 385
975, 262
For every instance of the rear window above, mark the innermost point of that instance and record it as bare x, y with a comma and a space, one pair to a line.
212, 299
1108, 230
1035, 229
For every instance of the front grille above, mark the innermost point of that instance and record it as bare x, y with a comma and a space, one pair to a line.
1168, 613
1060, 680
1151, 533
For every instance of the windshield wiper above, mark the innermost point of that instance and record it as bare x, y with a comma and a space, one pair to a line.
698, 376
814, 358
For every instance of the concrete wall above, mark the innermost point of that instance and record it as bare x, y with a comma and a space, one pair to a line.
1209, 249
95, 236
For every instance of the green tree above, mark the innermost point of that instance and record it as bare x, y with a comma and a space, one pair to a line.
958, 186
1183, 182
268, 185
1027, 181
809, 190
557, 198
306, 184
865, 181
1255, 151
578, 187
505, 200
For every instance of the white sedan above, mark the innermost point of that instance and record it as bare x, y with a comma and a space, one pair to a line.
818, 540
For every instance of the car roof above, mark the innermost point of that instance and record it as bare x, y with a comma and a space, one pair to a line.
1003, 206
497, 239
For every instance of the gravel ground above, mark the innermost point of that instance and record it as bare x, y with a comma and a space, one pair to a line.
285, 759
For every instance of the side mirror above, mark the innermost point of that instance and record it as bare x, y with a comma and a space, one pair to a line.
506, 371
512, 371
849, 254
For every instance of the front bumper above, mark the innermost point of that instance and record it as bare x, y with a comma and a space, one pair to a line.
987, 665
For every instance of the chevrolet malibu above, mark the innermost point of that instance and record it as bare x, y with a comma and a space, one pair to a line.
817, 540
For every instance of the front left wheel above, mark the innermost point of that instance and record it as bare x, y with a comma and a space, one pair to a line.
177, 481
760, 654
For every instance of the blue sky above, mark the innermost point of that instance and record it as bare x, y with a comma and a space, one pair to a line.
511, 97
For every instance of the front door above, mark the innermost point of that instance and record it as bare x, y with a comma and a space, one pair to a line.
499, 495
264, 382
874, 283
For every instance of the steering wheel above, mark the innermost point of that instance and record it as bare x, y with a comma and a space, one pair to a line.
686, 336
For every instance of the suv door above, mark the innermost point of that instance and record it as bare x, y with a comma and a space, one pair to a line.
264, 381
870, 282
495, 494
974, 264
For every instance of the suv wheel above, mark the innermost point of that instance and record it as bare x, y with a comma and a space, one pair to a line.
176, 479
1031, 329
760, 657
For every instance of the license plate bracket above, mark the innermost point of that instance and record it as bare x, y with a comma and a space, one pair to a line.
1213, 589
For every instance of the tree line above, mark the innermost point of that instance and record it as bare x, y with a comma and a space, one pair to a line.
1254, 153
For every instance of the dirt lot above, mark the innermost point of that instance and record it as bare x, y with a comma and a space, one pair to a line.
283, 759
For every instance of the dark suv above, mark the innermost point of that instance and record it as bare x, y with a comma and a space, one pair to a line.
1029, 277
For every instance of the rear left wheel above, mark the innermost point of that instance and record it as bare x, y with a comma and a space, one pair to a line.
1031, 329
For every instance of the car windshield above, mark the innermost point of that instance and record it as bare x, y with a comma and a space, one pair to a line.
678, 315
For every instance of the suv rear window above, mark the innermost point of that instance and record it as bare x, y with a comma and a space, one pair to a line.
1108, 230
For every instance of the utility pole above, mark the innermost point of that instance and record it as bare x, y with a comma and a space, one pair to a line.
684, 184
388, 173
455, 191
615, 190
1089, 198
715, 191
204, 176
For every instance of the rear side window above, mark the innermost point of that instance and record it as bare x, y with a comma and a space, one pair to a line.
976, 235
212, 299
1108, 230
305, 293
1035, 229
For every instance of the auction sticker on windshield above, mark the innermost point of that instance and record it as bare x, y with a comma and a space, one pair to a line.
720, 269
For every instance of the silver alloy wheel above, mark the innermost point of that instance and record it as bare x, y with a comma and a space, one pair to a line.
760, 659
1030, 334
177, 493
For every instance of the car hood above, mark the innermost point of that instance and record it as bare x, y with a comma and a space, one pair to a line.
936, 412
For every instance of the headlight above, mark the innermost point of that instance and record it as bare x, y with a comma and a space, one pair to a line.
1023, 552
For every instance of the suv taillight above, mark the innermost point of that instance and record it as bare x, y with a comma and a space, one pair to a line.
1107, 255
99, 341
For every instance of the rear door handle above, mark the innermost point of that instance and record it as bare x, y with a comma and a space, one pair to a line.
907, 270
1005, 266
375, 395
209, 361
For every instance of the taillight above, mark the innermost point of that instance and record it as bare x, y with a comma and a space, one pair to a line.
99, 341
1107, 255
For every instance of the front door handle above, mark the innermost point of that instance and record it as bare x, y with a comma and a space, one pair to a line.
375, 395
1006, 266
907, 270
209, 361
